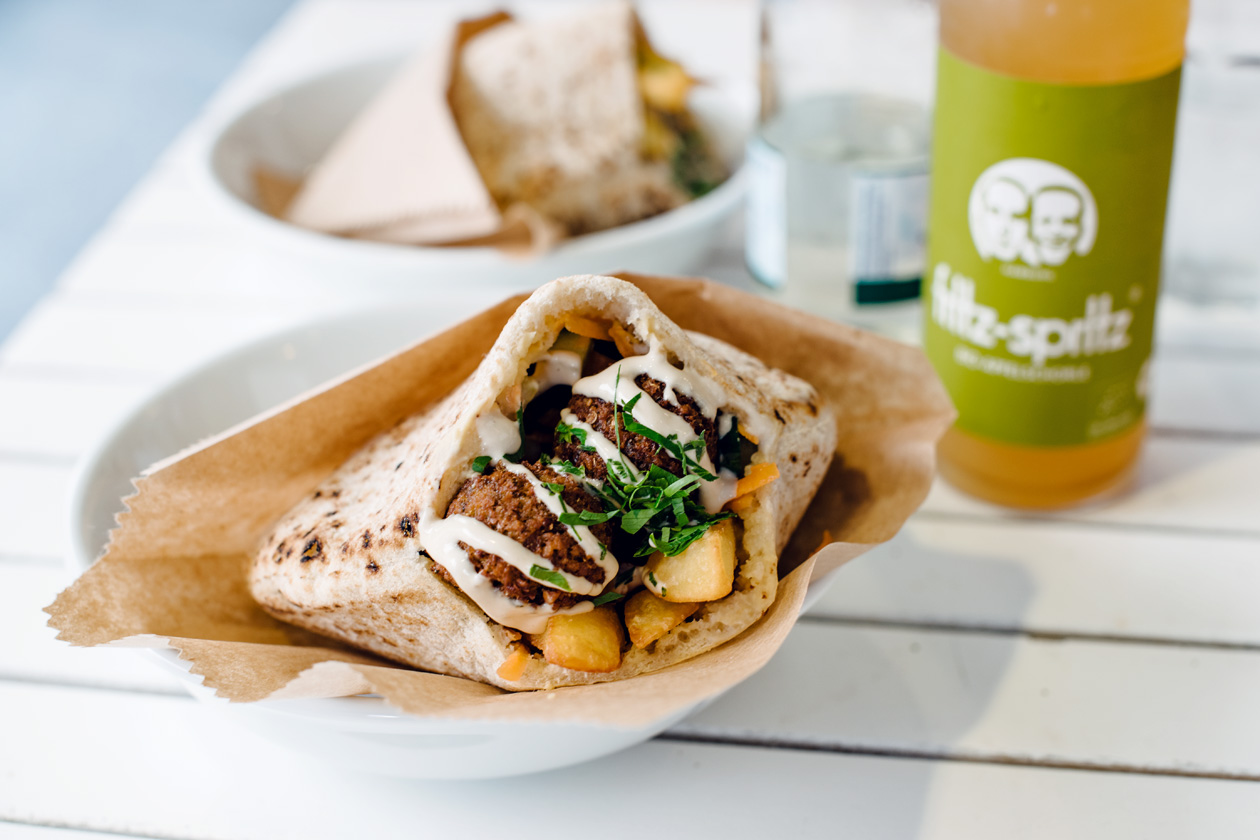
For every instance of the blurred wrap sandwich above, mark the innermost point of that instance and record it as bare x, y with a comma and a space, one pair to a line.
517, 130
605, 496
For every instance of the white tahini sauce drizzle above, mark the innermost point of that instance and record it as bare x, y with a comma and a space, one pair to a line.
442, 538
715, 494
499, 435
558, 367
615, 384
594, 549
477, 534
604, 448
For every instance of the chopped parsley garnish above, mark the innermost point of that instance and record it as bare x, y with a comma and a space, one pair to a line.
555, 578
693, 166
566, 467
481, 463
607, 597
688, 454
734, 450
656, 503
567, 434
519, 455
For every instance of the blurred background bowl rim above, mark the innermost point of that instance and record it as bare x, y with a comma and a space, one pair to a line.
716, 108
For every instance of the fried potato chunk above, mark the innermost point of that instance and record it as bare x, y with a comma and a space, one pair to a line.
588, 641
648, 617
704, 571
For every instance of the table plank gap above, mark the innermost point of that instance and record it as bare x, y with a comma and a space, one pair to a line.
36, 458
1009, 515
46, 561
160, 767
949, 692
929, 755
857, 621
14, 829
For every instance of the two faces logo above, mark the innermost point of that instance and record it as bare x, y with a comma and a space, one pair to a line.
1031, 211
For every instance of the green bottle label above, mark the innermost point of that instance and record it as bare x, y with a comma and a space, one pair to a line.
1045, 228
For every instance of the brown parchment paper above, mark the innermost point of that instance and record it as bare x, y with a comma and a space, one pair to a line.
174, 572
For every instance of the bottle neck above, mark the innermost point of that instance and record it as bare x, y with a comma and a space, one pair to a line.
1068, 41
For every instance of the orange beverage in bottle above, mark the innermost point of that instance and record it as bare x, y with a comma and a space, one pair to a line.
1052, 148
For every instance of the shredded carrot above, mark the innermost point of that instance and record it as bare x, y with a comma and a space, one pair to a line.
757, 475
514, 666
749, 436
624, 340
588, 327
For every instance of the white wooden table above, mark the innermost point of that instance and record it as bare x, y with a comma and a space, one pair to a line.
1094, 674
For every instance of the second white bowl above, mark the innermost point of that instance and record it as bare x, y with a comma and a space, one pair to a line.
289, 131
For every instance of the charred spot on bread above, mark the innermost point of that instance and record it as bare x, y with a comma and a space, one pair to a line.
313, 549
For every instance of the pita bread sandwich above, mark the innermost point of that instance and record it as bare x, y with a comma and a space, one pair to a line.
605, 496
580, 119
537, 129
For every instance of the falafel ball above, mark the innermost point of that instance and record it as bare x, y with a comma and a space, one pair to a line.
506, 502
641, 451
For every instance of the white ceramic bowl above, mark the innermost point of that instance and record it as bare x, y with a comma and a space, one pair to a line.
290, 130
360, 732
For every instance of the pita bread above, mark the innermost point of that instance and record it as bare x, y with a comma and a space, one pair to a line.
349, 561
552, 116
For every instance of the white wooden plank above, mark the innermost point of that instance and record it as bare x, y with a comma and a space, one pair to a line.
1216, 393
1179, 709
33, 504
1208, 485
1221, 330
941, 693
203, 264
102, 333
18, 831
160, 766
60, 416
31, 650
1056, 578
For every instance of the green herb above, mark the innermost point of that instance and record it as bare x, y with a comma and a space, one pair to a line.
695, 168
480, 463
661, 506
567, 434
734, 450
673, 541
556, 488
607, 597
539, 573
566, 467
689, 453
519, 455
632, 521
586, 517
